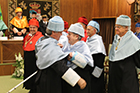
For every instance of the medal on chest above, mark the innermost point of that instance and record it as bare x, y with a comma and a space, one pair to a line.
30, 42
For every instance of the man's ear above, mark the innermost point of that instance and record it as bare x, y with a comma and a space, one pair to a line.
77, 36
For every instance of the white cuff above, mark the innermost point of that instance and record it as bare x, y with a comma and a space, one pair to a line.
1, 33
22, 31
71, 77
78, 59
97, 72
15, 30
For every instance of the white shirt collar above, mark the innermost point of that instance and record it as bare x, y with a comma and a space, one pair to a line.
45, 22
120, 37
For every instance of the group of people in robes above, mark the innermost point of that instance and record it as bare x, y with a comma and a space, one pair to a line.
70, 59
77, 66
20, 26
69, 43
63, 67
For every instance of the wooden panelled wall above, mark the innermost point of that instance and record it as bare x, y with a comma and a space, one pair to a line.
70, 10
104, 8
112, 9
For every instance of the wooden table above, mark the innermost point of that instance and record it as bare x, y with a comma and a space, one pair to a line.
8, 49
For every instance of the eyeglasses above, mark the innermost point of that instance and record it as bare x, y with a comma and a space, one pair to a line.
118, 26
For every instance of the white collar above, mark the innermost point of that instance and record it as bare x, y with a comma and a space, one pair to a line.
45, 22
120, 37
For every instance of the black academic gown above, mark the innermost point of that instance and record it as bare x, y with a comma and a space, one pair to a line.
29, 68
42, 27
97, 84
85, 74
49, 80
123, 76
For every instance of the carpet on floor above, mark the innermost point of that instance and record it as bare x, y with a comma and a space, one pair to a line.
7, 83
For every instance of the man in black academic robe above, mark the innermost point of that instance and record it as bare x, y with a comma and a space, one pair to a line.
43, 24
124, 57
51, 61
97, 49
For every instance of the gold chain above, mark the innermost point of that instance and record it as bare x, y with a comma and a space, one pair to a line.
26, 42
117, 44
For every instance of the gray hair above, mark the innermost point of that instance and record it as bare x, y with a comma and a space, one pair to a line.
129, 27
49, 32
96, 30
79, 38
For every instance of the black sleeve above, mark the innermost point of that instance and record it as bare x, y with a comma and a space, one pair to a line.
15, 34
137, 58
19, 29
13, 26
60, 67
98, 60
41, 29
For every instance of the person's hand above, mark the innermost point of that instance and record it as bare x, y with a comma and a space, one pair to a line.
19, 33
24, 31
70, 56
15, 30
59, 44
82, 83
